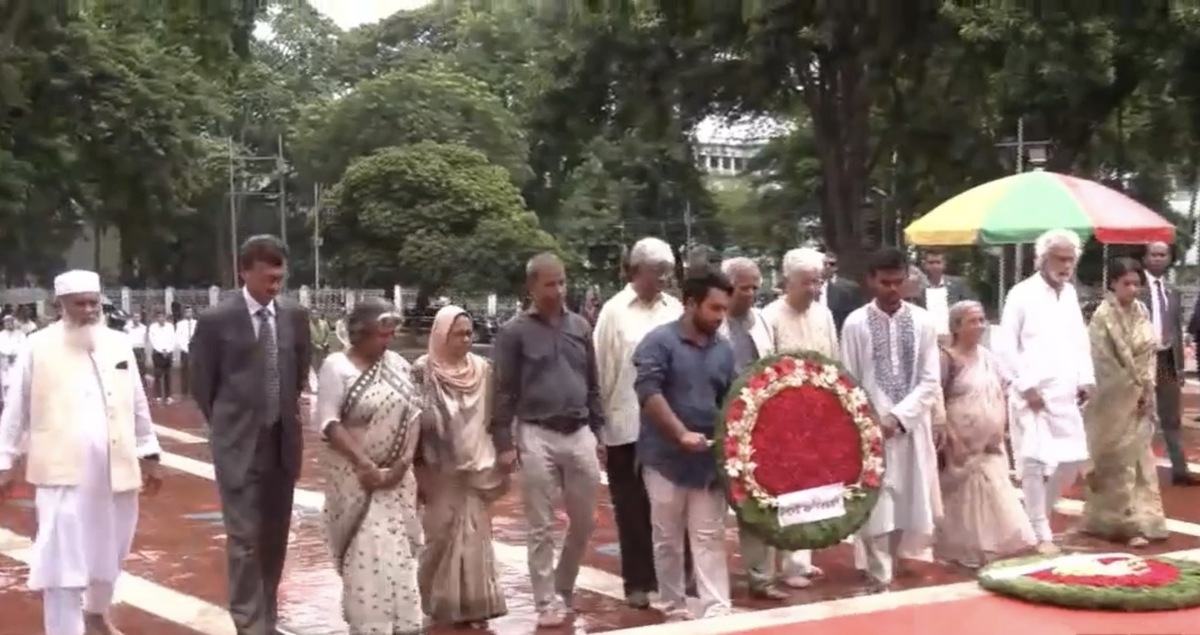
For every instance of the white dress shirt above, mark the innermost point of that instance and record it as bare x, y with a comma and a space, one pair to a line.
253, 306
937, 303
1158, 290
137, 334
161, 338
623, 321
184, 329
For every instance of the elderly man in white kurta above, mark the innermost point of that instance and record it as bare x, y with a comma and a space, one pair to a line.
1043, 343
798, 321
91, 448
892, 349
622, 323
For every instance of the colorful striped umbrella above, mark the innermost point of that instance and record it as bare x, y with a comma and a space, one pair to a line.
1018, 208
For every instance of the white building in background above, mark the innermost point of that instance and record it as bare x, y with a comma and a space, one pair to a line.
724, 147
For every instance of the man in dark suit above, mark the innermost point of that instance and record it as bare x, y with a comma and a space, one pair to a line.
1166, 312
840, 295
250, 360
940, 291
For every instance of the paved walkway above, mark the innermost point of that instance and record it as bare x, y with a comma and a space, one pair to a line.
175, 578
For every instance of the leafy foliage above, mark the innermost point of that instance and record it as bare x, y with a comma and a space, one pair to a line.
430, 215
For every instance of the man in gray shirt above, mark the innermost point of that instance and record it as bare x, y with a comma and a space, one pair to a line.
547, 408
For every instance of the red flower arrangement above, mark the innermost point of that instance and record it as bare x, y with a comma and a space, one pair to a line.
1141, 573
1113, 581
793, 423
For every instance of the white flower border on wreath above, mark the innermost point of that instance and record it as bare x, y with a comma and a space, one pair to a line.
742, 466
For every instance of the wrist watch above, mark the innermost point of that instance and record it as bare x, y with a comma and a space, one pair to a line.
152, 457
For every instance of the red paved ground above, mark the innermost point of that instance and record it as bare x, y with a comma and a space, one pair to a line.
180, 546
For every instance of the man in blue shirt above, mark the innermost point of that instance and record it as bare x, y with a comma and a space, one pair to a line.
684, 371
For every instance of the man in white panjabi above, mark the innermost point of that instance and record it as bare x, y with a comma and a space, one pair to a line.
11, 342
892, 349
1043, 343
91, 448
798, 321
620, 326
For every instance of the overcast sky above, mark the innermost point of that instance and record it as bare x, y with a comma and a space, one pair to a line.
351, 13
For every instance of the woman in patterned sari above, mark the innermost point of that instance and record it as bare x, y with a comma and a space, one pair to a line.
1123, 502
368, 410
458, 470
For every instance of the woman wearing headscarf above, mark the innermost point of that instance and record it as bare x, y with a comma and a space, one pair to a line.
368, 410
1123, 502
459, 477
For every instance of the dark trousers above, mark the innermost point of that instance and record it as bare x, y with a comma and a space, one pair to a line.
258, 518
162, 374
184, 375
631, 511
1168, 394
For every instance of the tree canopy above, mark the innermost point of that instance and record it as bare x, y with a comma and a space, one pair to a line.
444, 145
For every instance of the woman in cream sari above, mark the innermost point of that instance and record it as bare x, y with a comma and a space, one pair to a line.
459, 476
1123, 502
368, 410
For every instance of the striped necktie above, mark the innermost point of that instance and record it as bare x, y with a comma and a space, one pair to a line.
270, 349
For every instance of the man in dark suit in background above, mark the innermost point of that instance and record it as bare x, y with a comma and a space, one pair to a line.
940, 291
840, 295
250, 359
1166, 312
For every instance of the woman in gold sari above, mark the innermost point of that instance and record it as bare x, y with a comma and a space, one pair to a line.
368, 410
1123, 502
459, 476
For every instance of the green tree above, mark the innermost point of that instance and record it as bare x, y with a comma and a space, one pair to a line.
405, 107
430, 216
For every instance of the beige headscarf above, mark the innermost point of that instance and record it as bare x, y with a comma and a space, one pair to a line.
462, 389
465, 376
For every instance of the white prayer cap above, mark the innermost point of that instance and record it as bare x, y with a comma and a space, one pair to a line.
77, 281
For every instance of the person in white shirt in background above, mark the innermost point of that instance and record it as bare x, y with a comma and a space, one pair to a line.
796, 321
891, 347
1044, 345
161, 339
184, 329
91, 449
11, 342
620, 326
25, 323
136, 331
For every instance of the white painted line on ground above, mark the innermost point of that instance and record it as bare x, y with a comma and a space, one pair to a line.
143, 594
178, 435
791, 615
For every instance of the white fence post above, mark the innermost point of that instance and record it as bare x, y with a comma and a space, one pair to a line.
126, 300
349, 300
398, 296
492, 305
305, 296
214, 295
168, 300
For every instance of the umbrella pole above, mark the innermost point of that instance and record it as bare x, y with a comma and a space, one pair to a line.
1104, 270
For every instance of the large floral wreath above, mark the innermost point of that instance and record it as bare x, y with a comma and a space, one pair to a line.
1107, 581
799, 451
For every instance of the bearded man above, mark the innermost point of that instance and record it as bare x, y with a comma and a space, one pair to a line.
92, 447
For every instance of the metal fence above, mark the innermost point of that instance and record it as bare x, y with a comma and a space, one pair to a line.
172, 301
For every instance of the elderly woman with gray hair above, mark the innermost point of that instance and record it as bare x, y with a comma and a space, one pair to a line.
368, 410
982, 517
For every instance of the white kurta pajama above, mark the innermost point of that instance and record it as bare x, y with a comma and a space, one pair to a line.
86, 530
1043, 343
809, 330
895, 358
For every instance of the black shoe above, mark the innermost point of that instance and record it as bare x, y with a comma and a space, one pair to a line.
1185, 480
